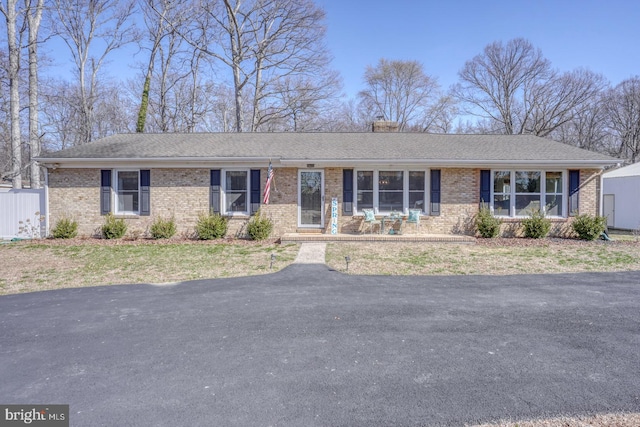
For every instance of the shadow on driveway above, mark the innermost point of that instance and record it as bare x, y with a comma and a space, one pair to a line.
312, 346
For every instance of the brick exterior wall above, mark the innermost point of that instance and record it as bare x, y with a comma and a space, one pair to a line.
184, 194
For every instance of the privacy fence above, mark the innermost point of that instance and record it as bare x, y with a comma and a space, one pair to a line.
22, 214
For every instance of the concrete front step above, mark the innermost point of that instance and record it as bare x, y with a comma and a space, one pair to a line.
426, 238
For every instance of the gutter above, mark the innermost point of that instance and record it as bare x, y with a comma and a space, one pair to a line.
53, 162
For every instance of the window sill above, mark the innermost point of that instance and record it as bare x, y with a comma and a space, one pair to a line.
126, 216
520, 218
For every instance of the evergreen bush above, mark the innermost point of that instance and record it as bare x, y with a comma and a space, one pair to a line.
487, 225
537, 226
163, 228
589, 227
212, 226
259, 227
65, 228
113, 228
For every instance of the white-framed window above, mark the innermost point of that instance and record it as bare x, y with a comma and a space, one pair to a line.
127, 192
236, 192
518, 193
390, 190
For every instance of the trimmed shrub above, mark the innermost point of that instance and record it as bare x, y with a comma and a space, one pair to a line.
66, 228
212, 226
259, 227
589, 227
113, 228
536, 226
163, 228
487, 225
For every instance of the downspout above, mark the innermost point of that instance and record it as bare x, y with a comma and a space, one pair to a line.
46, 201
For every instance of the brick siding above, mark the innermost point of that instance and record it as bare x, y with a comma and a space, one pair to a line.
184, 194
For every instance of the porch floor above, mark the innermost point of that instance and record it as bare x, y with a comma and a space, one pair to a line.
327, 237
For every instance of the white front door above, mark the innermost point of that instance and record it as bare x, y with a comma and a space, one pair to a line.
310, 198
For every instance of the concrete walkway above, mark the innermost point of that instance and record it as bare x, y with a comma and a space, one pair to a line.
311, 253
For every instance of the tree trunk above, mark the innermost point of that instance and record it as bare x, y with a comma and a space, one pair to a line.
14, 93
34, 18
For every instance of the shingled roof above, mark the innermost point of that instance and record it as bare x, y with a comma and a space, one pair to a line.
330, 148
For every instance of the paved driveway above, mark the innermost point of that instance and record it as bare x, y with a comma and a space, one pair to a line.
310, 346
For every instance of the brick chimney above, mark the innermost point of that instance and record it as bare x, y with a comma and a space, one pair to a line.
385, 126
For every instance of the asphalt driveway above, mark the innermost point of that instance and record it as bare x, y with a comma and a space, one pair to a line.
310, 346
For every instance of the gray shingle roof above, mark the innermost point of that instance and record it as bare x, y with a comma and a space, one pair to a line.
317, 147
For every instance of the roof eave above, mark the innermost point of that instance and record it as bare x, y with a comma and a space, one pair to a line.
53, 162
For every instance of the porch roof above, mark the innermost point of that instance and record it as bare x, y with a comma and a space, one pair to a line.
330, 149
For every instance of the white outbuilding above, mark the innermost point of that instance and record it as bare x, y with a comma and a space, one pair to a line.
621, 197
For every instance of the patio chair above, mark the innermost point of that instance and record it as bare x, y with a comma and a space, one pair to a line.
414, 218
370, 218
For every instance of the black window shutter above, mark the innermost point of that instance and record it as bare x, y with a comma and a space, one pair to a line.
485, 186
145, 193
574, 193
105, 191
255, 190
347, 191
214, 198
435, 192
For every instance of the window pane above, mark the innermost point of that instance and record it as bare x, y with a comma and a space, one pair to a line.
526, 204
391, 201
127, 201
128, 180
236, 180
365, 180
416, 200
553, 205
236, 201
127, 191
390, 181
553, 182
502, 182
527, 182
365, 200
416, 181
501, 204
416, 190
365, 190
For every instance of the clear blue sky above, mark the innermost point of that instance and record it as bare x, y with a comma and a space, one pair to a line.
602, 36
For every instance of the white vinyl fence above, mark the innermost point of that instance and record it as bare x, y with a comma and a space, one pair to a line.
22, 214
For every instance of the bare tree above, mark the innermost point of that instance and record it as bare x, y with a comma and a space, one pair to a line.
8, 8
33, 12
497, 82
261, 42
514, 87
400, 91
62, 117
623, 109
81, 25
5, 121
162, 18
588, 129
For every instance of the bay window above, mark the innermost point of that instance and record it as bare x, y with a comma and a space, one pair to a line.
521, 192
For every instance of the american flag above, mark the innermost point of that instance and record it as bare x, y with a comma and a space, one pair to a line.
267, 186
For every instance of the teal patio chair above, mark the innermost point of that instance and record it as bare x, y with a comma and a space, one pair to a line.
414, 217
370, 219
